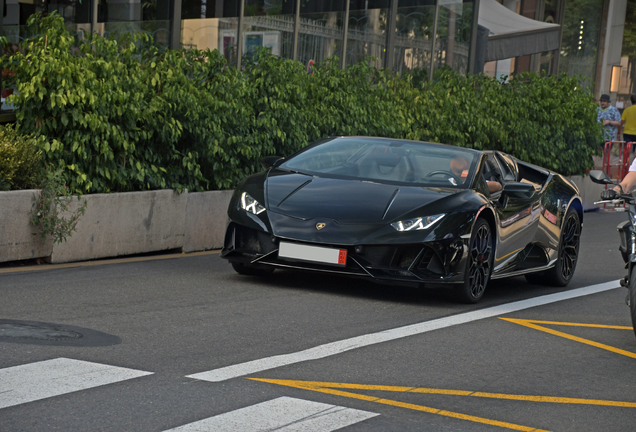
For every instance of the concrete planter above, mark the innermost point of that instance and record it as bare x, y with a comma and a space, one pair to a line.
206, 220
588, 190
118, 224
20, 240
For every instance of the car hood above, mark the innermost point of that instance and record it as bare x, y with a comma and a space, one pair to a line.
345, 201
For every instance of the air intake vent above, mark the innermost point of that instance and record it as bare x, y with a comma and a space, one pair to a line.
430, 262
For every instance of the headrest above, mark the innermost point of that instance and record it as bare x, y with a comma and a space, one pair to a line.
383, 156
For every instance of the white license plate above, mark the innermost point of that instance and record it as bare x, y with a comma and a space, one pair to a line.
312, 253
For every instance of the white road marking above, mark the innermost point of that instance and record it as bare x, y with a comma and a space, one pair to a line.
40, 380
339, 347
283, 414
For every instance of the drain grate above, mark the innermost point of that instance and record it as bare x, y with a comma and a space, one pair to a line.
36, 332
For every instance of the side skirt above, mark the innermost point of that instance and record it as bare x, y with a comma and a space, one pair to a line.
522, 272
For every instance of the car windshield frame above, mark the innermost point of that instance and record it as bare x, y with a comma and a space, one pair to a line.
384, 160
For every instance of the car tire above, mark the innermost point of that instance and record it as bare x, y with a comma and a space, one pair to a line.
478, 263
250, 270
569, 242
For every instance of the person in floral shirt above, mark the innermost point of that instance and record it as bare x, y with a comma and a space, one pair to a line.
609, 117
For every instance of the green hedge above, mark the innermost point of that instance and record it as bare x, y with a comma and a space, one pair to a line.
123, 115
20, 160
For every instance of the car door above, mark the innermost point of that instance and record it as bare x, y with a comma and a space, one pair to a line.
517, 217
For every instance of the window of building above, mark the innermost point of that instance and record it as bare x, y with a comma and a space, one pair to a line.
580, 38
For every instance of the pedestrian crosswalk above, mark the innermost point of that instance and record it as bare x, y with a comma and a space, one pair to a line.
284, 414
45, 379
40, 380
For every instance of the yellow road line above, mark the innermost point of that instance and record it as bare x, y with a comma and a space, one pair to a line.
530, 324
402, 389
317, 386
569, 324
104, 262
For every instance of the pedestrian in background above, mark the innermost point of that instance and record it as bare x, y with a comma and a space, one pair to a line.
609, 117
628, 120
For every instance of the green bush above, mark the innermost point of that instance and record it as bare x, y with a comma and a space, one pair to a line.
50, 209
20, 160
122, 115
106, 123
548, 121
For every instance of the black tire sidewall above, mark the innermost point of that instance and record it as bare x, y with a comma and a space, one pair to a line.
463, 291
555, 276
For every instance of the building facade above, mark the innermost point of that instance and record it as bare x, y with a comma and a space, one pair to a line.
496, 37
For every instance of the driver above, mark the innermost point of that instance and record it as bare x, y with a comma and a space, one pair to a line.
459, 166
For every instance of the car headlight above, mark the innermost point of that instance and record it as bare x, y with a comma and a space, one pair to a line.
417, 223
249, 204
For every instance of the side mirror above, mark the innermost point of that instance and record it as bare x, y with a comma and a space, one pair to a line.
598, 176
271, 161
518, 190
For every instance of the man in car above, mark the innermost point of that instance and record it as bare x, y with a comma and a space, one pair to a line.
459, 167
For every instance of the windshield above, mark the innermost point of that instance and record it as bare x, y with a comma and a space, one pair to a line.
383, 160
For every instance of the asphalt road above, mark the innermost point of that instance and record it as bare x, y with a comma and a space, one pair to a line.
165, 341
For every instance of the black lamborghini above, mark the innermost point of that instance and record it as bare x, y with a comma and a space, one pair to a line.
406, 212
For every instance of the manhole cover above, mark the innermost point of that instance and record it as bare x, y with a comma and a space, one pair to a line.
51, 334
39, 332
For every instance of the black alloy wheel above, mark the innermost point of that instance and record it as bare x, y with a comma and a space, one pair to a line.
562, 272
569, 250
479, 263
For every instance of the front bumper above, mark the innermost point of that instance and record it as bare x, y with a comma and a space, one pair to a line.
428, 263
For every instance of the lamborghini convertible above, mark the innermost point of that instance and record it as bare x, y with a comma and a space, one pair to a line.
406, 212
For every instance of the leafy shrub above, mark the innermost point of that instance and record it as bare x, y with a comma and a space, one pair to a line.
106, 126
50, 205
548, 121
20, 160
121, 115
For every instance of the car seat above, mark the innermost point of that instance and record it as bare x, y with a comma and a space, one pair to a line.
383, 164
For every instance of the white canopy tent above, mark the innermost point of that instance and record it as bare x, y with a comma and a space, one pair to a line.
513, 35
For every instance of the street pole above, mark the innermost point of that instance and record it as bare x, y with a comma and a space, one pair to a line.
389, 57
430, 72
473, 38
296, 30
94, 7
239, 39
175, 25
344, 38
